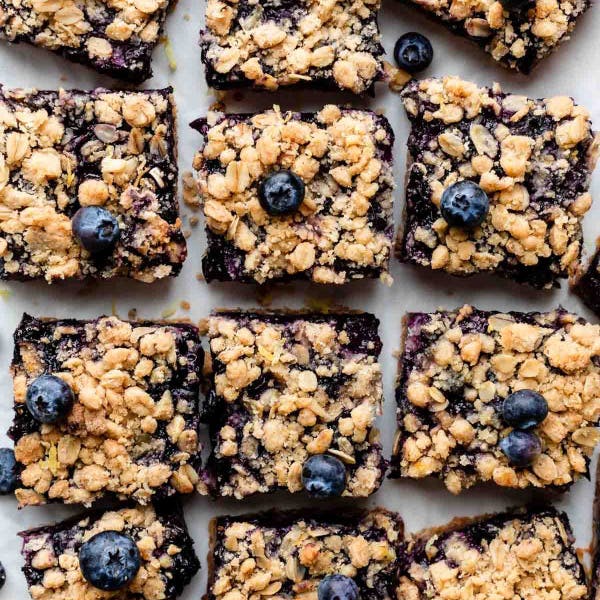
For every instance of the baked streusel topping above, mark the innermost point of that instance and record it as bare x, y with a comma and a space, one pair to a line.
286, 555
289, 386
168, 560
456, 370
343, 227
324, 43
526, 553
133, 429
60, 151
534, 160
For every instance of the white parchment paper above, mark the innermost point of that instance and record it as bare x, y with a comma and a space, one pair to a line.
573, 70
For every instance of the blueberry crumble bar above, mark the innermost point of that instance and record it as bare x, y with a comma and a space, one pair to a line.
98, 153
115, 38
461, 371
523, 167
289, 389
523, 553
289, 554
167, 561
325, 44
130, 428
515, 33
586, 282
296, 195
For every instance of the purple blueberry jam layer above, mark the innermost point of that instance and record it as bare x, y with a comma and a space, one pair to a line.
586, 283
132, 430
456, 370
66, 150
113, 38
342, 229
168, 560
286, 387
287, 554
331, 45
516, 38
524, 553
533, 159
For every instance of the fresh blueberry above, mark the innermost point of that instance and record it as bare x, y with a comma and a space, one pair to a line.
8, 473
337, 587
281, 193
521, 447
49, 399
413, 52
464, 204
2, 575
96, 229
524, 409
324, 476
109, 560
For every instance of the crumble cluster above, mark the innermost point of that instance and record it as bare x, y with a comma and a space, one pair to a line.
516, 39
520, 554
335, 43
133, 428
52, 563
456, 370
116, 37
63, 150
253, 556
343, 228
287, 387
533, 158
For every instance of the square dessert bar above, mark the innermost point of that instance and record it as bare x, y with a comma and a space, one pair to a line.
285, 387
456, 370
60, 151
132, 428
343, 228
115, 38
287, 554
586, 282
168, 561
324, 44
517, 38
524, 553
533, 159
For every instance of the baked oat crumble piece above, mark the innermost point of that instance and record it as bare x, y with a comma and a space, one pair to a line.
457, 368
133, 429
285, 387
60, 151
343, 228
534, 160
286, 554
166, 549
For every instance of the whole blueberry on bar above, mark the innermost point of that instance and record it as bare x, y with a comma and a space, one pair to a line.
524, 409
324, 476
96, 229
49, 399
8, 476
2, 575
109, 560
464, 204
337, 587
281, 193
521, 447
413, 52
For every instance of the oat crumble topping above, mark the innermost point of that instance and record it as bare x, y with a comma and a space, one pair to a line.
286, 555
520, 554
325, 43
534, 160
166, 551
113, 36
133, 430
285, 387
63, 150
456, 370
343, 228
